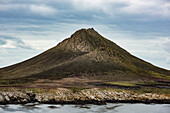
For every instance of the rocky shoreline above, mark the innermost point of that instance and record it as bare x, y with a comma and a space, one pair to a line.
86, 96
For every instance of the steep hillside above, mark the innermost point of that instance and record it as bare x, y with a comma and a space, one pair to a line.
86, 53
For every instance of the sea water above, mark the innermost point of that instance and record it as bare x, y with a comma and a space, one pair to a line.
89, 108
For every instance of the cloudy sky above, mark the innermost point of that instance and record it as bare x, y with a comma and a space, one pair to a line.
28, 27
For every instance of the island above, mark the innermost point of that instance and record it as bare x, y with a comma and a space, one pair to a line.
85, 68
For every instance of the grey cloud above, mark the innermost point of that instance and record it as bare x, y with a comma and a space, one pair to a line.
12, 42
167, 47
2, 42
57, 9
27, 10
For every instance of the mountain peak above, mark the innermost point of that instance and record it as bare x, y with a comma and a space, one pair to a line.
84, 40
85, 53
84, 30
83, 33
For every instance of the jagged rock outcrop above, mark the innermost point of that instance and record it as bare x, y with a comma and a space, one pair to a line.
86, 96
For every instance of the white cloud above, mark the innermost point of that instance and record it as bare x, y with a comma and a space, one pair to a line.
140, 7
159, 8
11, 56
168, 60
12, 42
11, 7
151, 50
151, 7
43, 10
166, 45
109, 7
41, 44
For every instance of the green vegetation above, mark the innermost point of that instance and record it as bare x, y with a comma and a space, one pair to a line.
15, 82
152, 90
16, 89
122, 83
142, 90
77, 89
158, 75
149, 89
37, 90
